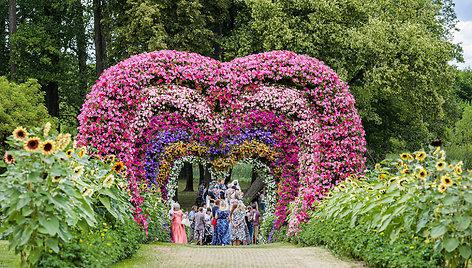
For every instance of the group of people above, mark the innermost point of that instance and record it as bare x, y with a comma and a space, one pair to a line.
221, 217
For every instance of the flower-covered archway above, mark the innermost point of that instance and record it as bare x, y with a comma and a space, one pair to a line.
294, 105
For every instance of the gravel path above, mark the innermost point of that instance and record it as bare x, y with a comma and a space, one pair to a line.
274, 255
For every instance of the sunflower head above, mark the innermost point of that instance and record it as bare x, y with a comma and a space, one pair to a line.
83, 151
392, 180
111, 158
399, 164
446, 180
31, 144
442, 188
440, 165
108, 181
20, 133
382, 176
118, 166
9, 159
404, 156
422, 173
47, 147
342, 187
69, 152
458, 170
348, 180
420, 156
402, 182
377, 166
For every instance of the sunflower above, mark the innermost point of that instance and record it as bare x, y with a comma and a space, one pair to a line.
378, 197
124, 174
47, 147
69, 152
404, 156
31, 145
108, 181
446, 181
443, 154
111, 158
348, 180
9, 159
392, 180
442, 188
422, 173
20, 133
420, 156
377, 166
440, 165
399, 164
57, 179
354, 184
118, 166
382, 191
87, 192
83, 151
436, 151
79, 170
342, 187
382, 176
458, 170
402, 182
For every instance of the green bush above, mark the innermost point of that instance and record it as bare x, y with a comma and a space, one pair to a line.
101, 246
420, 194
21, 105
370, 246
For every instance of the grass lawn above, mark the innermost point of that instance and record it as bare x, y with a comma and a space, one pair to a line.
8, 258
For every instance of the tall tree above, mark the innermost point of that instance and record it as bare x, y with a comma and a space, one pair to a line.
393, 53
12, 29
99, 37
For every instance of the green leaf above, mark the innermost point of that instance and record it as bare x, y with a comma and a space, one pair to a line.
463, 222
450, 243
50, 223
25, 236
438, 230
53, 244
106, 202
465, 251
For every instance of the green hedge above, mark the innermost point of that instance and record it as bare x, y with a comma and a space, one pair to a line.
371, 247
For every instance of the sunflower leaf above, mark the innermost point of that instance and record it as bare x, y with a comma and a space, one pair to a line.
450, 243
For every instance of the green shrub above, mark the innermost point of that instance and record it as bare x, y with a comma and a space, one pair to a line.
420, 194
101, 246
21, 105
370, 246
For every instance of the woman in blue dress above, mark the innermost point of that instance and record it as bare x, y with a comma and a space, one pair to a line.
222, 225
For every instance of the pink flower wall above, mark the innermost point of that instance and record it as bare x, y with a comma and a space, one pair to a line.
302, 102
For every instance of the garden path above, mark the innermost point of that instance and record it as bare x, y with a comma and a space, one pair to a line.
273, 255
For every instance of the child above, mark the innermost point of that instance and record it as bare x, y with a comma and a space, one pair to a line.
191, 218
199, 220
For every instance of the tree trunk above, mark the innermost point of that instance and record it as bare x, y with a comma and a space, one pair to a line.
256, 186
253, 175
81, 49
228, 178
52, 98
201, 169
219, 33
207, 175
176, 196
100, 46
12, 30
188, 171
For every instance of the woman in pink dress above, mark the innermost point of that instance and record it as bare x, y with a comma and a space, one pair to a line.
177, 229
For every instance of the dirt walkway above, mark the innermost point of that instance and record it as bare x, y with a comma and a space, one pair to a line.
274, 255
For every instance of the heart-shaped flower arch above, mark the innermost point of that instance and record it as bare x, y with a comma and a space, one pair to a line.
305, 111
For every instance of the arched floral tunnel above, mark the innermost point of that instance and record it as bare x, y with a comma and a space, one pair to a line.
290, 112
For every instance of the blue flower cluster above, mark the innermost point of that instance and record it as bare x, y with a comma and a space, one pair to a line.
157, 147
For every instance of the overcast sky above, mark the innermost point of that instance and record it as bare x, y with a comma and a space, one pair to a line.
464, 36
